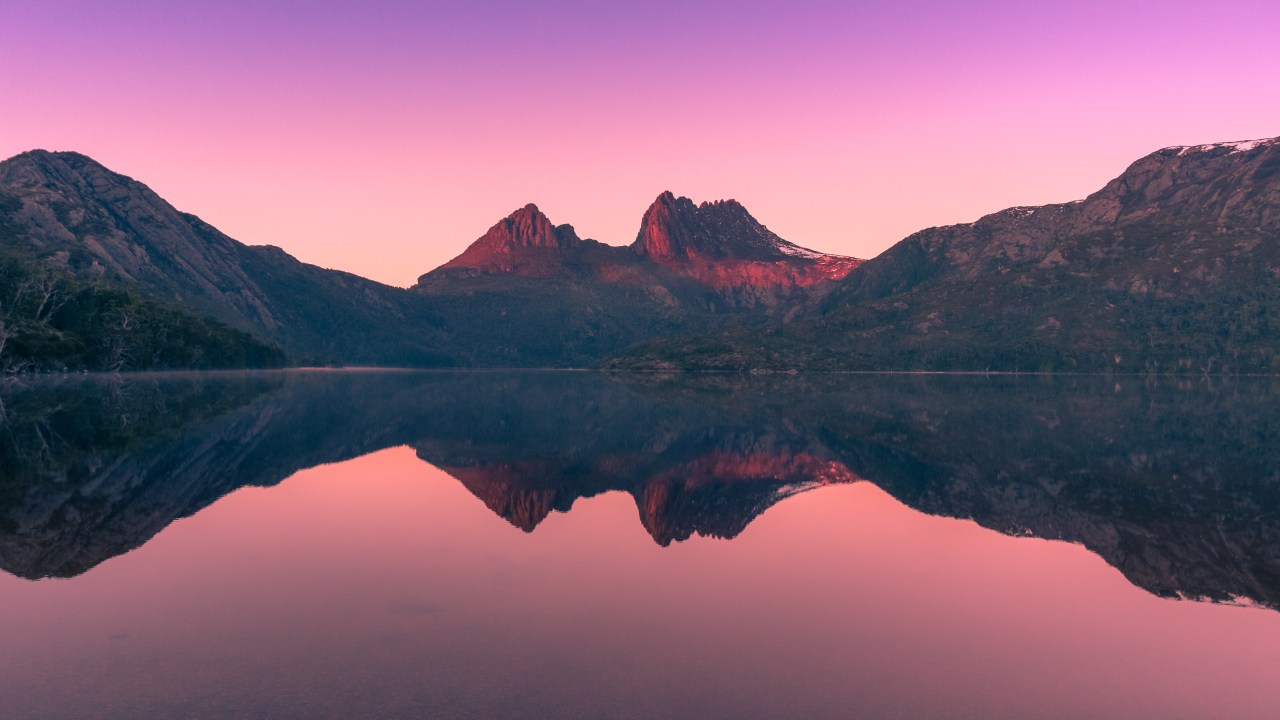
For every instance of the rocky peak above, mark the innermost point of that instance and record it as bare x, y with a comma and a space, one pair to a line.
675, 229
525, 231
664, 229
111, 225
68, 178
528, 227
1228, 184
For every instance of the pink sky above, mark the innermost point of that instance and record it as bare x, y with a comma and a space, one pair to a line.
384, 138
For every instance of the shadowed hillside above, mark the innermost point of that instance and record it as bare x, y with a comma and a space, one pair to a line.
1170, 268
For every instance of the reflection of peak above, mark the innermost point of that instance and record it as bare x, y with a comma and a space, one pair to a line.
716, 494
507, 489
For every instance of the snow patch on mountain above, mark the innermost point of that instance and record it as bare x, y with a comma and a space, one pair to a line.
1234, 147
797, 251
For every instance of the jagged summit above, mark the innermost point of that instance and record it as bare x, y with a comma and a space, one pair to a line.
1224, 148
674, 228
1170, 267
524, 231
718, 245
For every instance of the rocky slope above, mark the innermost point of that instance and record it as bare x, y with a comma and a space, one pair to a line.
69, 212
1170, 267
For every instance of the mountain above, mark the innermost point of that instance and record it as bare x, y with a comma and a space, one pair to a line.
68, 212
523, 243
1173, 483
721, 244
527, 293
1170, 267
716, 246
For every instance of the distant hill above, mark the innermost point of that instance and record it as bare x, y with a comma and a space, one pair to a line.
1172, 267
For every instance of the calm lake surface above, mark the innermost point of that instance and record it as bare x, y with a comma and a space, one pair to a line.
576, 545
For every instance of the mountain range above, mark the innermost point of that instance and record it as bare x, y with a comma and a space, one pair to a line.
526, 293
1171, 267
1174, 266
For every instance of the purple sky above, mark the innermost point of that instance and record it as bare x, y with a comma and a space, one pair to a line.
383, 138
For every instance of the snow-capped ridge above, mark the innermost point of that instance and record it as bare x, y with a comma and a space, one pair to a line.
1237, 146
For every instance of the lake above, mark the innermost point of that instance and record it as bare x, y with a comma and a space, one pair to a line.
364, 544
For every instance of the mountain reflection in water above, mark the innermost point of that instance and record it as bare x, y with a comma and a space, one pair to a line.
1174, 483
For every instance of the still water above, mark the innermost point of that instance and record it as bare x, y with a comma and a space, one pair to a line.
574, 545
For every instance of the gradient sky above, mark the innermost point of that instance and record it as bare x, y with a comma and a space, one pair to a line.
382, 138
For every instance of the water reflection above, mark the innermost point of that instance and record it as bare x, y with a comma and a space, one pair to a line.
1175, 484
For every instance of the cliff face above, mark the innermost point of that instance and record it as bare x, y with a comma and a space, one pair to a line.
722, 245
524, 242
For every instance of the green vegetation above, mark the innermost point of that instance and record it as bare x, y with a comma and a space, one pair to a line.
51, 320
1006, 327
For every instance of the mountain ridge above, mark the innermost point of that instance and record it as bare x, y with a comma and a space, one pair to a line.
716, 243
526, 293
1170, 267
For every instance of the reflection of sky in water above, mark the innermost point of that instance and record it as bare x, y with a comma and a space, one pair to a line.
380, 586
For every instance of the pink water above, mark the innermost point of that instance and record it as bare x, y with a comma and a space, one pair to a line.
380, 587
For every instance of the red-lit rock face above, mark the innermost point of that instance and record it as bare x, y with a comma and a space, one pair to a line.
663, 234
766, 274
722, 245
691, 498
514, 241
505, 489
717, 244
714, 495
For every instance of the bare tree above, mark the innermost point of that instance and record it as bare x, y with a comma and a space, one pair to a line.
47, 287
9, 305
118, 344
